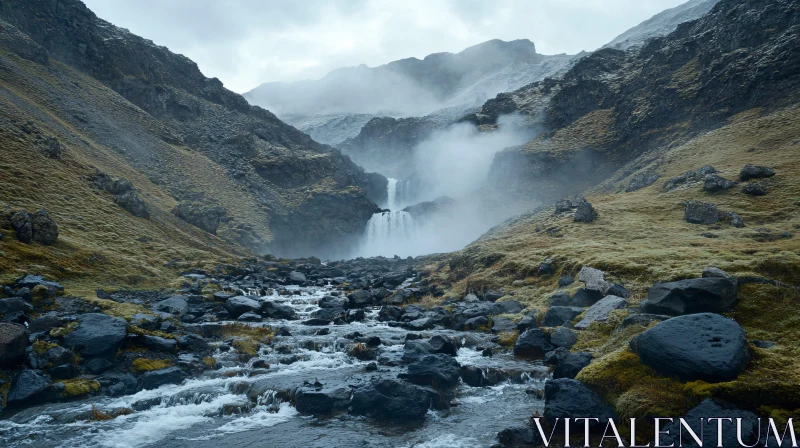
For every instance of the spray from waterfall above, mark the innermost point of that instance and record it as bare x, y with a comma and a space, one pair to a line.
389, 233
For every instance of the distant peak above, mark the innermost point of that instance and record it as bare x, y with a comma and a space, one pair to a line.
517, 46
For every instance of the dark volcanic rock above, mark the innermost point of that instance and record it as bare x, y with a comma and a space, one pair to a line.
714, 183
97, 335
332, 302
236, 306
570, 366
311, 401
159, 344
201, 216
13, 342
133, 204
585, 213
278, 311
438, 371
416, 349
755, 189
708, 432
521, 436
391, 400
158, 378
533, 343
584, 297
444, 344
697, 212
560, 298
28, 388
689, 177
705, 346
22, 225
641, 180
755, 172
568, 398
175, 305
560, 315
696, 295
601, 310
563, 337
45, 230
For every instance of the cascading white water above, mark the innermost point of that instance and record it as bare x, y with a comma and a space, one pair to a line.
391, 194
389, 233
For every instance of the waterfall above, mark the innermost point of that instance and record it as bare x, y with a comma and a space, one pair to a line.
389, 233
391, 194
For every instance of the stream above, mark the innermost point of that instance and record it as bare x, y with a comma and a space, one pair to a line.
214, 409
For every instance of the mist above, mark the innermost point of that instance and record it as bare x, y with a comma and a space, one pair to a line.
441, 208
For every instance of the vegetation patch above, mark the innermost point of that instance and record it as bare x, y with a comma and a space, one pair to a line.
147, 365
78, 387
60, 332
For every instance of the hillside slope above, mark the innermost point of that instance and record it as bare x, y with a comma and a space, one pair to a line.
234, 169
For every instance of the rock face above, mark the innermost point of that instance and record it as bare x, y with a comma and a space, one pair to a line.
601, 310
391, 400
705, 346
641, 180
236, 306
568, 398
243, 147
585, 212
97, 335
13, 342
696, 295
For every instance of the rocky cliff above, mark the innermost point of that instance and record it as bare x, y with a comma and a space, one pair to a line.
615, 109
247, 177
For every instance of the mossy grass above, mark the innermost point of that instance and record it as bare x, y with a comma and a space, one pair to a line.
79, 387
146, 364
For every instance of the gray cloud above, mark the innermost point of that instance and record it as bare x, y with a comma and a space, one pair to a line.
247, 42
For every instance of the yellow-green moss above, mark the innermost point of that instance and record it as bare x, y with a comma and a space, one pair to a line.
247, 347
147, 365
78, 387
508, 338
142, 332
60, 332
41, 347
209, 361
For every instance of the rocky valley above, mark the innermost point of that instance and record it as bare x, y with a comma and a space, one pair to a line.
499, 238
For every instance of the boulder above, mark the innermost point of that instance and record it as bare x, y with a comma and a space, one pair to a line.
533, 343
601, 310
159, 344
277, 311
755, 172
297, 278
565, 280
618, 290
502, 325
157, 378
45, 322
202, 216
28, 388
312, 401
13, 342
360, 299
708, 432
97, 335
697, 212
560, 315
547, 267
22, 225
734, 220
389, 399
520, 436
438, 371
555, 357
584, 297
755, 189
560, 298
563, 337
528, 321
507, 307
571, 365
476, 323
416, 349
704, 346
696, 295
238, 305
585, 212
568, 398
332, 302
714, 183
593, 280
175, 305
133, 204
45, 230
192, 342
444, 344
641, 180
689, 177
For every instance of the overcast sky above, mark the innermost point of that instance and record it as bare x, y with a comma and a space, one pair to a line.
247, 42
